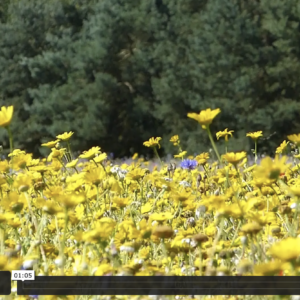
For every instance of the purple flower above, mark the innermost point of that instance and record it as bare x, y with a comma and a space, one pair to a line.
189, 164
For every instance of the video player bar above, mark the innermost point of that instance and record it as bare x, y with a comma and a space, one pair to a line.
160, 285
5, 283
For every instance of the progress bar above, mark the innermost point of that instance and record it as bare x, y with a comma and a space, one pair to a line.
160, 285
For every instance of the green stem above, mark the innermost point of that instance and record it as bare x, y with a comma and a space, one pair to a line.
255, 151
156, 153
62, 256
104, 169
213, 144
11, 145
69, 151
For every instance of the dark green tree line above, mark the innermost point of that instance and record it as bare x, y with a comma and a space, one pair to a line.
118, 72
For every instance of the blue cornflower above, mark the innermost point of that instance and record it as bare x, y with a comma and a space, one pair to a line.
189, 164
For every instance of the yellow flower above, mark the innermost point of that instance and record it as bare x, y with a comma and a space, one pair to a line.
205, 117
282, 147
4, 166
146, 208
52, 208
268, 269
153, 142
295, 138
104, 269
70, 200
234, 158
271, 169
100, 158
22, 182
21, 161
181, 154
90, 154
175, 140
135, 174
295, 190
202, 158
94, 176
121, 202
255, 135
6, 115
72, 164
98, 234
135, 156
161, 217
251, 228
144, 252
51, 144
65, 136
55, 153
16, 152
181, 196
224, 133
287, 249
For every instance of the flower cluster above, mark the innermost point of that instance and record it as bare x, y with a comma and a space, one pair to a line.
86, 215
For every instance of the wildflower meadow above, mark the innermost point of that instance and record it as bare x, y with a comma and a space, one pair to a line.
85, 215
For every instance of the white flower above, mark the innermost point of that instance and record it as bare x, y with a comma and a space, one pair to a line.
220, 273
244, 240
59, 261
127, 249
187, 241
184, 183
28, 264
293, 205
168, 179
193, 243
115, 169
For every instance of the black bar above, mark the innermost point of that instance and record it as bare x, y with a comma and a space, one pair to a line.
5, 283
160, 285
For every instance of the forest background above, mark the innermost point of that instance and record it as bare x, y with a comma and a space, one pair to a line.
117, 72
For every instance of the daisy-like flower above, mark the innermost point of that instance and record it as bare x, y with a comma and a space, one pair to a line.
202, 158
181, 154
271, 168
189, 164
16, 152
72, 164
90, 154
295, 138
234, 158
255, 135
6, 115
153, 142
287, 249
51, 144
225, 133
65, 136
175, 140
205, 117
282, 147
100, 157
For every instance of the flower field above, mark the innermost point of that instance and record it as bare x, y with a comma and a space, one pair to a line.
66, 215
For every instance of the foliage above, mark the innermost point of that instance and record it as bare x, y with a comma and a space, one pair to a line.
134, 69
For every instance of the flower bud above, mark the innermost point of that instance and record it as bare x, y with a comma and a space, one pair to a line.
200, 238
24, 188
163, 232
